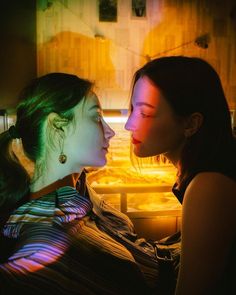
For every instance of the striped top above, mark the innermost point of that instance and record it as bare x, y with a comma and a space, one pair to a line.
67, 243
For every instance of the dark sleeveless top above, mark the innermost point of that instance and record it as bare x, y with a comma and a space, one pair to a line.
179, 189
228, 283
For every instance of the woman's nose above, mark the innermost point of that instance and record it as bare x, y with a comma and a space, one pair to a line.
129, 124
108, 131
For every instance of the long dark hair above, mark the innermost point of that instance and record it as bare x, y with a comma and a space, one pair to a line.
191, 85
54, 92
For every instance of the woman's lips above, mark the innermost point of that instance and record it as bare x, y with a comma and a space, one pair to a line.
106, 148
135, 141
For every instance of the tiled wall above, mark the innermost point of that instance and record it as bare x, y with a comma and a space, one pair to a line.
66, 32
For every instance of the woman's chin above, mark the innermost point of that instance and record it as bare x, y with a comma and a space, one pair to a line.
139, 153
144, 152
100, 163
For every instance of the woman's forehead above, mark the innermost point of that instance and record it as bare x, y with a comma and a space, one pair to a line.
88, 102
91, 99
145, 91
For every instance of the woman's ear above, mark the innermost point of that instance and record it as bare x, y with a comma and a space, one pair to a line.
56, 132
193, 124
56, 122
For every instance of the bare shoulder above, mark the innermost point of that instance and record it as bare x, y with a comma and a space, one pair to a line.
208, 232
213, 176
211, 192
218, 183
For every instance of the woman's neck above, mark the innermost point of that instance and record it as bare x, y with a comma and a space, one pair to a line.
39, 190
174, 156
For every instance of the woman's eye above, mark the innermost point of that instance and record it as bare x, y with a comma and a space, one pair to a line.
145, 115
98, 118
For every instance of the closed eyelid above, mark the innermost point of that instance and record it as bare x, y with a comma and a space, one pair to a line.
144, 104
99, 111
96, 108
142, 108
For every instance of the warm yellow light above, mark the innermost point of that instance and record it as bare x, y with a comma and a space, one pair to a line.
115, 119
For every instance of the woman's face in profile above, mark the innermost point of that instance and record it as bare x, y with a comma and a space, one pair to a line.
89, 140
152, 123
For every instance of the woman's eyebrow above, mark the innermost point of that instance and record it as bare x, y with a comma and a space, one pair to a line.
95, 106
145, 104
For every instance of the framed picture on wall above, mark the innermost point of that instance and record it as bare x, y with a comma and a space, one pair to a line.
138, 9
107, 10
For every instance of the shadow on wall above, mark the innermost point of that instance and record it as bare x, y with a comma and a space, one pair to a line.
172, 35
192, 29
75, 53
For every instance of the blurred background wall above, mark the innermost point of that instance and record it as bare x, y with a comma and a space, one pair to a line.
71, 38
